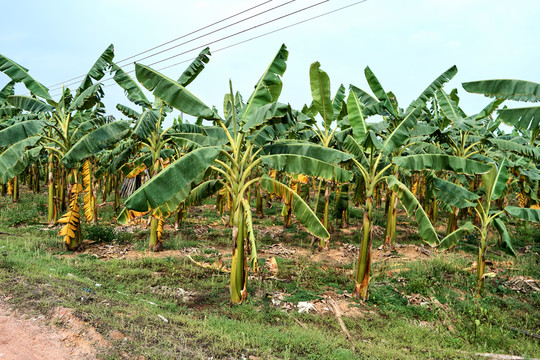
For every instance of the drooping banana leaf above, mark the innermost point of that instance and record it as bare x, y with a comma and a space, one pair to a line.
97, 71
266, 114
7, 90
131, 89
506, 242
175, 177
310, 150
439, 162
522, 118
87, 98
127, 111
320, 92
269, 86
298, 164
20, 131
13, 160
18, 73
363, 96
195, 68
454, 194
437, 84
519, 90
172, 93
300, 209
95, 141
412, 206
28, 103
454, 237
524, 213
513, 146
199, 139
170, 206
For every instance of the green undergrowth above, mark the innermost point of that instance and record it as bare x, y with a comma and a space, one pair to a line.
417, 309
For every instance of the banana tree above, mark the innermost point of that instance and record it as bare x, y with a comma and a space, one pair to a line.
237, 162
149, 135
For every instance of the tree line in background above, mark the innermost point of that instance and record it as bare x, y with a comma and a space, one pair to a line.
430, 156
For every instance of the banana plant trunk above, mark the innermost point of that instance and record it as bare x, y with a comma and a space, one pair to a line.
481, 267
364, 257
155, 243
52, 214
239, 270
16, 189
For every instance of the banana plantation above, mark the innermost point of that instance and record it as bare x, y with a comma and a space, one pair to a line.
351, 161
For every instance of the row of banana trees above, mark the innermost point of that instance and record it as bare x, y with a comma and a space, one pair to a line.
430, 157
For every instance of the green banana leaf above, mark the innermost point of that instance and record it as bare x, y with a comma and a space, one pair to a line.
495, 180
28, 103
524, 213
13, 160
266, 114
439, 162
195, 68
320, 92
363, 96
172, 93
413, 207
356, 117
269, 86
448, 107
375, 85
18, 73
170, 206
253, 259
145, 125
127, 111
7, 90
519, 90
337, 101
20, 131
298, 164
202, 192
95, 141
400, 134
310, 150
199, 139
87, 98
522, 118
167, 183
454, 237
300, 209
506, 242
513, 146
97, 71
131, 89
437, 84
453, 194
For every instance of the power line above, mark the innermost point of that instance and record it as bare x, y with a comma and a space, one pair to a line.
173, 40
223, 38
260, 36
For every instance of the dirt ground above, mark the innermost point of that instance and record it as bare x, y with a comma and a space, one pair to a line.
27, 338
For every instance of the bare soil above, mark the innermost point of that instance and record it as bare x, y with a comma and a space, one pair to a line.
59, 335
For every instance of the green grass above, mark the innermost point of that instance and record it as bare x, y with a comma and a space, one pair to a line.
39, 274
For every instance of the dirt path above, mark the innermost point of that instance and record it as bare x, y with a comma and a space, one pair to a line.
23, 338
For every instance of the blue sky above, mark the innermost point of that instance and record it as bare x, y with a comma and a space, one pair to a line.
406, 43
